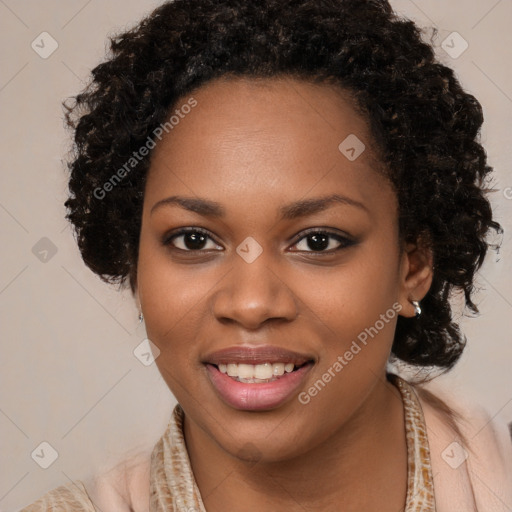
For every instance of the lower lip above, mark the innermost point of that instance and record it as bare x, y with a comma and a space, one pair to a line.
257, 396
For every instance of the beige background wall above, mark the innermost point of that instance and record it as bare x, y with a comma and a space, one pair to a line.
67, 369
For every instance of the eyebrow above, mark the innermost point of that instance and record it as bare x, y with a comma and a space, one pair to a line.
302, 208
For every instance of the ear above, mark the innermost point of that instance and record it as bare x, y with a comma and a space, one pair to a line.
416, 273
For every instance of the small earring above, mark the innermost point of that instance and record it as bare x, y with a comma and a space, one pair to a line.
141, 316
417, 308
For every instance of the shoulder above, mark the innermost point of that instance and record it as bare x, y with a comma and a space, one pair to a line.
71, 497
123, 488
471, 451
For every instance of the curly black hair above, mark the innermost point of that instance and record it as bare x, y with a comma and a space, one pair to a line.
425, 126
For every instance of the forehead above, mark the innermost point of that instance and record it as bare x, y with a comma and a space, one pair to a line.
235, 108
276, 137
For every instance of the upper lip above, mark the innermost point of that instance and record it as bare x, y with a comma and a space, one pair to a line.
256, 355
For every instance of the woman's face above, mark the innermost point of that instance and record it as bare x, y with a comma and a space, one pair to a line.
279, 274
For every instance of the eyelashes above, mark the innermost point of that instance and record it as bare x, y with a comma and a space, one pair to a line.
319, 236
203, 234
194, 239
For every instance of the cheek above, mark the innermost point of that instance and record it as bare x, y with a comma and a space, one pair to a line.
358, 322
356, 309
171, 298
352, 297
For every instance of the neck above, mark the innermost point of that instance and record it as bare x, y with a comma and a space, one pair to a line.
362, 466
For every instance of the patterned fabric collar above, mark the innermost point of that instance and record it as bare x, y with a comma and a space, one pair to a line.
173, 487
420, 484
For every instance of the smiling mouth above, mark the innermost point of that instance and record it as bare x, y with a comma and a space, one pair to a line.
257, 378
257, 373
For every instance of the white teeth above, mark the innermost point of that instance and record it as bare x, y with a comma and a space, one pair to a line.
263, 371
245, 371
278, 369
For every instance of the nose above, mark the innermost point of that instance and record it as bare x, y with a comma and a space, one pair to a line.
251, 294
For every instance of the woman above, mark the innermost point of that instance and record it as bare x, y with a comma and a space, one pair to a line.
293, 190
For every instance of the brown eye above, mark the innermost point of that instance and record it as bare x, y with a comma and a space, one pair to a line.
190, 240
323, 241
